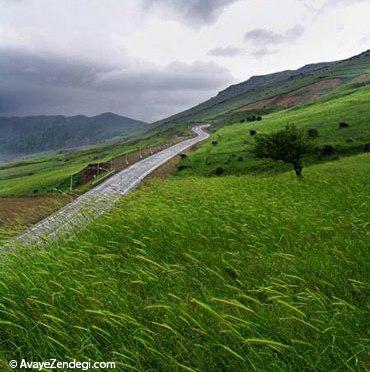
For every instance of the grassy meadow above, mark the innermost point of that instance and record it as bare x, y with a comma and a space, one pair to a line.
40, 174
257, 272
251, 271
348, 104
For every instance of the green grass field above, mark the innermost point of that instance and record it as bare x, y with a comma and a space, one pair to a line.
231, 273
232, 152
39, 174
254, 270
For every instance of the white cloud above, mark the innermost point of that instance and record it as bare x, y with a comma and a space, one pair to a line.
225, 52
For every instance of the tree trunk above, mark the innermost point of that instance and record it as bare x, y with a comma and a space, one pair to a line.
297, 165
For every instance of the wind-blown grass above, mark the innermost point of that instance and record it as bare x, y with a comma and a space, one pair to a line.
231, 273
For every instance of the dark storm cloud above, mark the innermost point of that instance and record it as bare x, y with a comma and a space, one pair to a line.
195, 11
224, 52
34, 84
263, 37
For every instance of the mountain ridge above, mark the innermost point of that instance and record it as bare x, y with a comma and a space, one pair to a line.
26, 135
264, 86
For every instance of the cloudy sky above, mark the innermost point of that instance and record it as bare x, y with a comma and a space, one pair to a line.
151, 58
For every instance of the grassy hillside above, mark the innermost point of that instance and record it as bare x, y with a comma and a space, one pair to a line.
250, 271
267, 86
35, 134
348, 104
231, 273
33, 188
40, 174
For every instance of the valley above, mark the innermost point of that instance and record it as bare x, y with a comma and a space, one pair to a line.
223, 261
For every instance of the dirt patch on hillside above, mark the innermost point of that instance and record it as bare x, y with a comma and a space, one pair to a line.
294, 98
362, 78
18, 212
165, 170
168, 168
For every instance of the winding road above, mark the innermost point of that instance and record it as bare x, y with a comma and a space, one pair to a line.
102, 198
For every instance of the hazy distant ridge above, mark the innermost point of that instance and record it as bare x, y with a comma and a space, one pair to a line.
32, 134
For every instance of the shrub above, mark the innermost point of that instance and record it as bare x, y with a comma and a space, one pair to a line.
259, 118
327, 150
214, 143
343, 125
182, 167
183, 156
287, 145
312, 132
242, 121
219, 171
240, 158
367, 147
252, 132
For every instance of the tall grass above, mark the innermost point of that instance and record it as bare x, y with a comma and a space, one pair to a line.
231, 273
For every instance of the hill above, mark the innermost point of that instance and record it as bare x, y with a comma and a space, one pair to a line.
231, 273
229, 147
319, 79
33, 134
251, 270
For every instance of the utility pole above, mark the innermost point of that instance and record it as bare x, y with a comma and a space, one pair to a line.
126, 158
141, 154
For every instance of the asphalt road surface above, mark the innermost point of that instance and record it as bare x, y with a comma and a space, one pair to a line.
102, 198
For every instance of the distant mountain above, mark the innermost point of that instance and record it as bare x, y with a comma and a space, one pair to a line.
269, 86
33, 134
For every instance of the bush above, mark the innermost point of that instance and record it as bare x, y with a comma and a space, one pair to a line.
214, 143
367, 147
343, 125
219, 171
327, 150
183, 156
252, 132
242, 121
312, 133
287, 145
259, 118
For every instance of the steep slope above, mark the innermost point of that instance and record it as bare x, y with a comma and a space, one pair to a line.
268, 86
32, 134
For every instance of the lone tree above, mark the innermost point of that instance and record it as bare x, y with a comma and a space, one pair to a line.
288, 145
